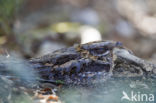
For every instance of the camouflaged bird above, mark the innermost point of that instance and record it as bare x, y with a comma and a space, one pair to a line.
91, 63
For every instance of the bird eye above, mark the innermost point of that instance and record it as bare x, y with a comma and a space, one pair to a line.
97, 51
